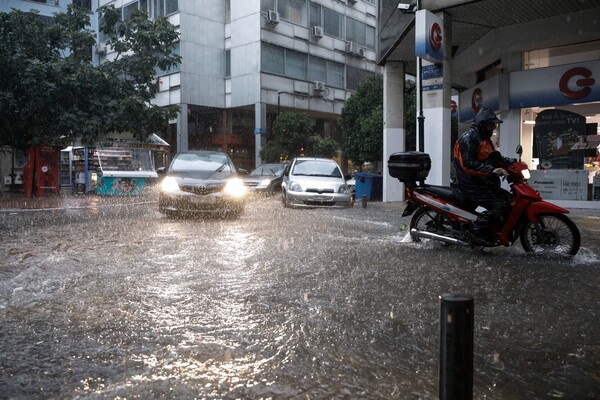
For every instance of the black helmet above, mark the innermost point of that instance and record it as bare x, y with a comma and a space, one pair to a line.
486, 116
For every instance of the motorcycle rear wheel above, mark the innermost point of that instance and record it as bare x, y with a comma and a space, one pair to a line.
425, 219
559, 235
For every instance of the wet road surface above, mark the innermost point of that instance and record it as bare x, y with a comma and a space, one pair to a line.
121, 302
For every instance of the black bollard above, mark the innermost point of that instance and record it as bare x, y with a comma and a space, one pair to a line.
456, 347
364, 201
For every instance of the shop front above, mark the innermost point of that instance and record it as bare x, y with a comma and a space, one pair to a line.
556, 109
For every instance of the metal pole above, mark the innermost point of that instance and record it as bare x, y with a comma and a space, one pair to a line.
456, 347
421, 117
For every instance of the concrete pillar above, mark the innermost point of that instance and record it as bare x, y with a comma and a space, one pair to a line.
436, 108
510, 129
393, 126
260, 127
182, 129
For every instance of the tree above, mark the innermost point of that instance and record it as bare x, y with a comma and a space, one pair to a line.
53, 94
293, 136
362, 122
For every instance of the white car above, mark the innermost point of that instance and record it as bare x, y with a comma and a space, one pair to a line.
315, 182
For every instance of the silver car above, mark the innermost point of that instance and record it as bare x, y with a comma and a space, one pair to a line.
315, 182
201, 183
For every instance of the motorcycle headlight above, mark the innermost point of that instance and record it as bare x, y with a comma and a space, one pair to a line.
526, 174
169, 185
235, 188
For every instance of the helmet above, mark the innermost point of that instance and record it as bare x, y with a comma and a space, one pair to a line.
486, 116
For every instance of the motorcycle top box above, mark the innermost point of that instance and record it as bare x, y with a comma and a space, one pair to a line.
409, 166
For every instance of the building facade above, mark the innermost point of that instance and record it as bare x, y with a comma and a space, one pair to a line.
245, 61
535, 63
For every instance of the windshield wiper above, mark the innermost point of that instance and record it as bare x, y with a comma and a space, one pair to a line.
222, 167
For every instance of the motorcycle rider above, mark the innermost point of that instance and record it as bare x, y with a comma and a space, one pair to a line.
477, 175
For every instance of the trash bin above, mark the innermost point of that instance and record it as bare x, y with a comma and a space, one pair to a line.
369, 184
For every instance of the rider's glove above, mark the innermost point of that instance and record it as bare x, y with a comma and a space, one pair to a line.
500, 172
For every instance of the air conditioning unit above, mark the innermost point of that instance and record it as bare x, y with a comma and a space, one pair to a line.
355, 49
273, 17
100, 48
319, 88
317, 31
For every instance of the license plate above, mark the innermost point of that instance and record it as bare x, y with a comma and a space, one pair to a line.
203, 200
319, 198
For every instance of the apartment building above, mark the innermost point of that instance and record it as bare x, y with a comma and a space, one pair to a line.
245, 61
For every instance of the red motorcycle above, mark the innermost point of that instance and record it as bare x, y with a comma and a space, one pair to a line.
443, 214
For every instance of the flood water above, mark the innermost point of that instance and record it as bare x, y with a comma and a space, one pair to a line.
121, 302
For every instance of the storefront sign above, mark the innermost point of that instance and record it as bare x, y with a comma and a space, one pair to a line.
555, 86
487, 94
429, 36
560, 184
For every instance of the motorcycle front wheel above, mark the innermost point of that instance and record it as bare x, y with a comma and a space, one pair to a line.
554, 234
425, 219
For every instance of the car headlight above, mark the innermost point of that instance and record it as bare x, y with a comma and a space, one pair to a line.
265, 182
526, 174
295, 187
235, 188
343, 189
169, 185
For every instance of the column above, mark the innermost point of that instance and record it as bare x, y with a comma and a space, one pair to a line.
182, 128
393, 126
260, 126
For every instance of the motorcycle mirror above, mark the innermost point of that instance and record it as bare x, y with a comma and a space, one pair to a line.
519, 151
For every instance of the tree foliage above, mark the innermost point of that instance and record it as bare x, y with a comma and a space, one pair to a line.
52, 93
362, 122
293, 135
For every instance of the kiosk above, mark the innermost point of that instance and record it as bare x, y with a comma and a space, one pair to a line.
126, 165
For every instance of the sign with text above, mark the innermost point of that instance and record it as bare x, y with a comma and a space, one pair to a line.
560, 184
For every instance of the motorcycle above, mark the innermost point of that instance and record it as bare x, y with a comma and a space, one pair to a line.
443, 214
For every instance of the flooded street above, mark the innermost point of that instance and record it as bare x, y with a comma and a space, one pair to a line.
121, 302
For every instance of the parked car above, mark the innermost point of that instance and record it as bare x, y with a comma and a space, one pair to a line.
266, 178
201, 182
315, 182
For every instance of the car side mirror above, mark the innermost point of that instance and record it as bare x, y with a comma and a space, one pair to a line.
242, 171
161, 170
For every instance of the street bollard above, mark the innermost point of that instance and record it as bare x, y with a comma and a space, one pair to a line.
364, 201
456, 347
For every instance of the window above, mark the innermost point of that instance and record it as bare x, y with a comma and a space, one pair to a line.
330, 72
272, 59
159, 8
128, 9
360, 33
291, 10
173, 69
333, 23
227, 63
227, 11
296, 65
355, 76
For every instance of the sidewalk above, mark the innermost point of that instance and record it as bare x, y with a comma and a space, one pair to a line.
17, 201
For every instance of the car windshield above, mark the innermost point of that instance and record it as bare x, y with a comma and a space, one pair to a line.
201, 162
268, 170
317, 168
